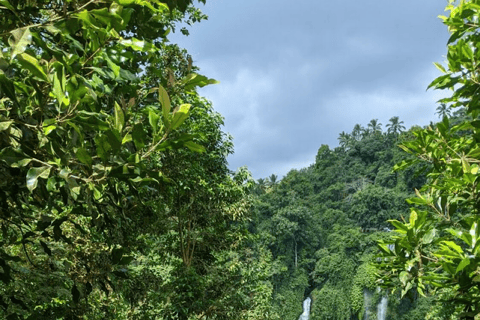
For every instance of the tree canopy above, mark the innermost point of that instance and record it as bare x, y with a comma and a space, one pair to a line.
116, 199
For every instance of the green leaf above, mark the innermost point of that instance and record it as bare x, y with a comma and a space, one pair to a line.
429, 236
19, 40
83, 156
119, 117
31, 64
465, 262
115, 68
51, 184
418, 201
127, 138
7, 5
195, 80
14, 158
440, 67
165, 102
138, 45
125, 2
103, 147
454, 246
34, 173
114, 140
92, 119
97, 194
4, 125
59, 85
397, 224
138, 135
413, 218
153, 118
194, 147
49, 129
180, 115
404, 277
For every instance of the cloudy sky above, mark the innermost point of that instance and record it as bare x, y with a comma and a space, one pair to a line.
294, 74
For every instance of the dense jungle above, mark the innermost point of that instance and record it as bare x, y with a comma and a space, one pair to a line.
117, 201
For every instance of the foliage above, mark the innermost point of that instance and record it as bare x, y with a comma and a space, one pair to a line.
116, 199
321, 225
436, 250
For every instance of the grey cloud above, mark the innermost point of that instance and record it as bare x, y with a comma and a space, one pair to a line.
294, 75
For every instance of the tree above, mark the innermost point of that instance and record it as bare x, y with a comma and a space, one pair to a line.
395, 126
79, 130
374, 126
272, 180
114, 178
443, 111
345, 140
436, 250
357, 132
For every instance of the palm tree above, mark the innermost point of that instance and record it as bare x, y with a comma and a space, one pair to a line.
357, 132
261, 185
375, 126
395, 126
272, 179
443, 111
345, 140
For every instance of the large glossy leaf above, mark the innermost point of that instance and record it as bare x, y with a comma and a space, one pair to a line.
119, 118
180, 115
83, 156
195, 80
59, 85
464, 263
153, 118
194, 146
138, 45
19, 40
31, 64
4, 125
34, 174
14, 158
165, 102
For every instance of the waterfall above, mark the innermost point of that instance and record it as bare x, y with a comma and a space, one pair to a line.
366, 302
382, 309
306, 309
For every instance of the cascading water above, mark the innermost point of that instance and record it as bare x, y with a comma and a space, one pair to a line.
382, 309
306, 309
366, 302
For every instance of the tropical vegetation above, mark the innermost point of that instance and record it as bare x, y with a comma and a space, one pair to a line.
117, 202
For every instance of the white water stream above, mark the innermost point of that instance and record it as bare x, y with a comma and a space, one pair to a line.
306, 309
381, 307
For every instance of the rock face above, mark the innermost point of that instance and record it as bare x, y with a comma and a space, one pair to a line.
306, 309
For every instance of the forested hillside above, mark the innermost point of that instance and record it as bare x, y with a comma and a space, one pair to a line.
321, 223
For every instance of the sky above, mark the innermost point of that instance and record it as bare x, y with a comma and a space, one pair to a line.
294, 74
